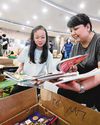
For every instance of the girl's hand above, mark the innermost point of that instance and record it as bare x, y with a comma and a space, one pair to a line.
18, 71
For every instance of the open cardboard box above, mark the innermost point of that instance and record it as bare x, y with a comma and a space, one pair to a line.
19, 106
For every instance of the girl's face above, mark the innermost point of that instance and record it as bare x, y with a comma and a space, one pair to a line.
80, 32
40, 38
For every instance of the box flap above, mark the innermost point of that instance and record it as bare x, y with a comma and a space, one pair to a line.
14, 104
6, 61
68, 110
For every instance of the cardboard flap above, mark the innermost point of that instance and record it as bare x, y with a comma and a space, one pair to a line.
6, 61
14, 104
68, 110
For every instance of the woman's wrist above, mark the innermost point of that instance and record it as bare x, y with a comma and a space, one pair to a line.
82, 89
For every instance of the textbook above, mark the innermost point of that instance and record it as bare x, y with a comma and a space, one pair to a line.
66, 64
78, 77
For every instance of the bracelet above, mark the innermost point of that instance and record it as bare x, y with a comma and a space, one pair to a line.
82, 89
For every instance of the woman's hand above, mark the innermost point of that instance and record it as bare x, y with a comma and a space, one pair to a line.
88, 83
73, 69
73, 85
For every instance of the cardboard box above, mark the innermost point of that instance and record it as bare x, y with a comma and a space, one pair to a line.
17, 107
6, 61
7, 64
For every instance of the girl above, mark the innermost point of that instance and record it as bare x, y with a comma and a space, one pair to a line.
35, 59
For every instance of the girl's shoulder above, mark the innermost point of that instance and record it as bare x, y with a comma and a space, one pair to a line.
50, 54
26, 48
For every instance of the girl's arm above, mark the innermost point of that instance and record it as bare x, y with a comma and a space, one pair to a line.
20, 68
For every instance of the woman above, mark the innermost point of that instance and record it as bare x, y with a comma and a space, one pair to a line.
36, 59
87, 42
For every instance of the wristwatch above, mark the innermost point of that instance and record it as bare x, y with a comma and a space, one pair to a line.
82, 89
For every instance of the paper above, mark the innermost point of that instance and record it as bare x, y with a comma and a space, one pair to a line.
79, 76
56, 76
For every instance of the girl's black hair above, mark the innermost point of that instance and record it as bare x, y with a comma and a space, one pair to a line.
78, 19
33, 46
4, 35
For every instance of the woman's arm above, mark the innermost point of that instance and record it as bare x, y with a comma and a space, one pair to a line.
91, 81
85, 84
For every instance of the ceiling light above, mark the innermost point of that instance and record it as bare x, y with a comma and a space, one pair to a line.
49, 27
5, 7
58, 7
82, 6
44, 10
34, 17
66, 9
27, 22
67, 18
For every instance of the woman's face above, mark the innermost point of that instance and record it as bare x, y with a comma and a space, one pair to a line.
40, 38
80, 32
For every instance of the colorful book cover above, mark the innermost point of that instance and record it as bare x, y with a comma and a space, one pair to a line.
66, 64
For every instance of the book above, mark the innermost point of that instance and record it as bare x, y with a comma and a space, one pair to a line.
56, 76
78, 76
18, 77
21, 79
66, 64
28, 81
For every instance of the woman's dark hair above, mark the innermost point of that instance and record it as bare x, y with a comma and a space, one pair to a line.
78, 19
33, 46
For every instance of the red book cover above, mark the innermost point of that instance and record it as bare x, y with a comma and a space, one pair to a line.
66, 64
